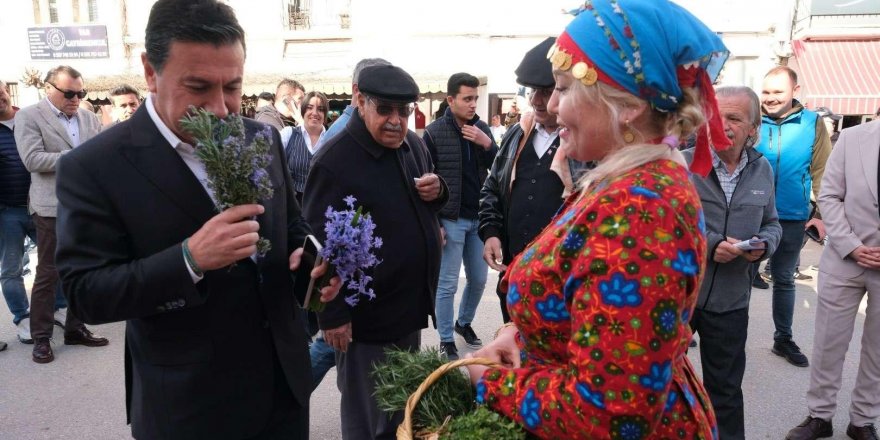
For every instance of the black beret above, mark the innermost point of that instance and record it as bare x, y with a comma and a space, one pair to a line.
535, 70
388, 82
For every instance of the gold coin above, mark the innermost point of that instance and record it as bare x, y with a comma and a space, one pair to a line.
590, 77
579, 70
566, 62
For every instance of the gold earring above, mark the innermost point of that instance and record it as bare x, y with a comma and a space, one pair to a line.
628, 136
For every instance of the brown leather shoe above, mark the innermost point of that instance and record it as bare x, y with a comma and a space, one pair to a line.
42, 353
82, 336
867, 432
811, 429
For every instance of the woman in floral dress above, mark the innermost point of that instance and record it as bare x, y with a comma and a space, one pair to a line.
601, 300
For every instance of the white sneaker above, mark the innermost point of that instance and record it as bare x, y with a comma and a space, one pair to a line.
24, 331
60, 317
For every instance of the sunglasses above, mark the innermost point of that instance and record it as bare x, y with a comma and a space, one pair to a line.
385, 109
69, 94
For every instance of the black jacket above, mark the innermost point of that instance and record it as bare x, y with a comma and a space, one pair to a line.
381, 179
495, 195
444, 140
200, 357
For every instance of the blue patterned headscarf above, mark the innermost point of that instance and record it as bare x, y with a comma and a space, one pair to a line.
650, 48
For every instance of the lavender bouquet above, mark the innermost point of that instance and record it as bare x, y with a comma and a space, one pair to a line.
236, 169
348, 249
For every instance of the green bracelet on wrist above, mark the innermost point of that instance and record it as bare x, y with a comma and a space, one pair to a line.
187, 256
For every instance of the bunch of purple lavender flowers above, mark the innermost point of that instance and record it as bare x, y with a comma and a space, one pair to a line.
236, 169
349, 248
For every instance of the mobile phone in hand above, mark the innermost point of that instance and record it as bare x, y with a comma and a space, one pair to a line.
304, 284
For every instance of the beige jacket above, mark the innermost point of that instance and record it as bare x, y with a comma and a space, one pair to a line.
41, 140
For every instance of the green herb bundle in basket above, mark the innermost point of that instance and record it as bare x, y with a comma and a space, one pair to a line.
437, 398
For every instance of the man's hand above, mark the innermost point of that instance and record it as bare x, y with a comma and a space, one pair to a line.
226, 238
338, 337
820, 226
755, 254
492, 254
428, 186
328, 292
475, 135
867, 257
726, 251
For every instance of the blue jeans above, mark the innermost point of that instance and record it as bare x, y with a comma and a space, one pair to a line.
782, 264
323, 359
15, 225
463, 244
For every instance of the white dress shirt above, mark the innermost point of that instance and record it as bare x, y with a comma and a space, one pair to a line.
71, 124
543, 139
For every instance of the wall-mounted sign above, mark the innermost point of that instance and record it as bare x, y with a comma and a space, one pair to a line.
844, 7
66, 42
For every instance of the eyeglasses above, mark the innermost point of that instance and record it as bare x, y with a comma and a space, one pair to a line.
69, 94
541, 93
385, 108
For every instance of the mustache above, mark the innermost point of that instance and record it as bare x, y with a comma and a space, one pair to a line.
391, 127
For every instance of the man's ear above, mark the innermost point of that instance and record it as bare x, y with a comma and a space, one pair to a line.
150, 73
450, 99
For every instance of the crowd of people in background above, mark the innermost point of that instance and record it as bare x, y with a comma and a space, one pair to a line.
558, 200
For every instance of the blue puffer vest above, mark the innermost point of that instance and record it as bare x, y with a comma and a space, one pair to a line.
788, 146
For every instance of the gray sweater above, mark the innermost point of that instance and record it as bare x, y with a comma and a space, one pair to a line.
751, 212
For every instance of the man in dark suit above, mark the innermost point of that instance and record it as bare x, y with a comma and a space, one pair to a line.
213, 349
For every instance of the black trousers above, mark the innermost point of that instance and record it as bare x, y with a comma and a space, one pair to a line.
289, 420
723, 355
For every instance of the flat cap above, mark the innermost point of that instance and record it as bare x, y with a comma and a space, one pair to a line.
826, 112
388, 82
536, 70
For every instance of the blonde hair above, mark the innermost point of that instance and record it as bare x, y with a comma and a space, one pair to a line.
680, 123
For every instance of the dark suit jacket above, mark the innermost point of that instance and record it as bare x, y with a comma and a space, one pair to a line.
199, 357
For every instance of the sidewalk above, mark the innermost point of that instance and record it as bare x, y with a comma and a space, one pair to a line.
81, 394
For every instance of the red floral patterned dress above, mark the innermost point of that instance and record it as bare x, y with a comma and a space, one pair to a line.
602, 300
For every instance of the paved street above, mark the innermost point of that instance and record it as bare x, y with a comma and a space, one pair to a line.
81, 394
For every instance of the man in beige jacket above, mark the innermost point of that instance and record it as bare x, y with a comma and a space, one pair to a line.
43, 133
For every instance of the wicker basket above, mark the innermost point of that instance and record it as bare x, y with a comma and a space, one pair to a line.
405, 431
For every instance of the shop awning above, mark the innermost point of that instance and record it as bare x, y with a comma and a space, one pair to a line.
839, 74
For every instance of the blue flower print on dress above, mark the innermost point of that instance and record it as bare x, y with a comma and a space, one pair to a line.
594, 397
574, 241
670, 400
659, 377
565, 218
628, 428
686, 262
530, 410
620, 292
642, 191
528, 255
571, 284
481, 392
513, 295
701, 221
553, 309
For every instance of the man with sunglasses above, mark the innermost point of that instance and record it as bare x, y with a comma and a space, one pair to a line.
462, 148
387, 168
530, 175
43, 133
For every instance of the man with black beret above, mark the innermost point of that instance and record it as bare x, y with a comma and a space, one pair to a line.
389, 171
530, 175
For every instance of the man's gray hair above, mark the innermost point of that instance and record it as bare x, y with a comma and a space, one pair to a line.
754, 104
363, 64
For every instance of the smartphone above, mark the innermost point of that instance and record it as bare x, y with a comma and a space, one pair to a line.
813, 233
304, 285
751, 244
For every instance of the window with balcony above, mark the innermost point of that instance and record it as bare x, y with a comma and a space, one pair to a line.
318, 14
53, 11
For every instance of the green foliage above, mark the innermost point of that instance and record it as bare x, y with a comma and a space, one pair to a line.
482, 424
404, 371
236, 169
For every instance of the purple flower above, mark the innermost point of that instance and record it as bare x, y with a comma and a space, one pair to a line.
349, 248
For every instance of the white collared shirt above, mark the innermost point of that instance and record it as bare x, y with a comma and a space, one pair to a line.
286, 132
543, 139
71, 124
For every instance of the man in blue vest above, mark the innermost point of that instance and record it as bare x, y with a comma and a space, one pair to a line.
462, 148
797, 145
